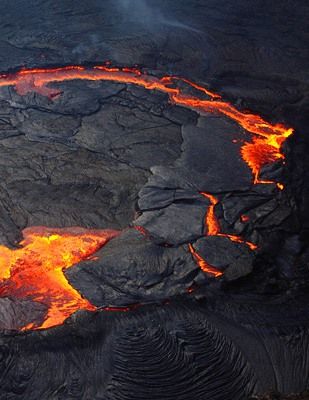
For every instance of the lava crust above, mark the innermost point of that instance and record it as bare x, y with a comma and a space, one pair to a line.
153, 207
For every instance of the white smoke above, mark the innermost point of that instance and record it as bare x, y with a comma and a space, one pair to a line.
143, 13
90, 41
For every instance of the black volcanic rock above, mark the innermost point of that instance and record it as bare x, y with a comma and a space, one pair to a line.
178, 350
61, 186
45, 126
120, 132
210, 160
154, 196
180, 222
235, 259
235, 205
211, 155
75, 98
16, 314
132, 269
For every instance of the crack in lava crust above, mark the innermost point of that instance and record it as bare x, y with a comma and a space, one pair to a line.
213, 226
213, 229
47, 252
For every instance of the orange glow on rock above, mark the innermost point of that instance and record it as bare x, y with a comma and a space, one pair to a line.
213, 229
211, 222
238, 239
35, 270
258, 153
200, 88
141, 230
244, 218
213, 226
203, 264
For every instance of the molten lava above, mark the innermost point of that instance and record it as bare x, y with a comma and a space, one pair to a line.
267, 138
211, 222
203, 264
35, 270
213, 229
213, 226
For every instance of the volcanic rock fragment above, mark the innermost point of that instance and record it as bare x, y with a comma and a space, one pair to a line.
16, 314
211, 154
178, 223
152, 197
11, 219
133, 269
235, 259
236, 205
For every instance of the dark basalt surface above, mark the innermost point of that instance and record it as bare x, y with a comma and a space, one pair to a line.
132, 269
174, 351
108, 155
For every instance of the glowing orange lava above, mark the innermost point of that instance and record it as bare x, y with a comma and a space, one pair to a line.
35, 270
212, 224
203, 264
267, 138
213, 229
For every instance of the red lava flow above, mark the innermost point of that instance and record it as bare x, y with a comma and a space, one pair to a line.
35, 270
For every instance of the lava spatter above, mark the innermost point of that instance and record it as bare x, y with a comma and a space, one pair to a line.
35, 270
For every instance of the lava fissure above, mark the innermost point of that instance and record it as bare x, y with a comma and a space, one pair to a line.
213, 229
213, 226
205, 267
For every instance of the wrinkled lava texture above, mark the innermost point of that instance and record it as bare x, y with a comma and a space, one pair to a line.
154, 207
